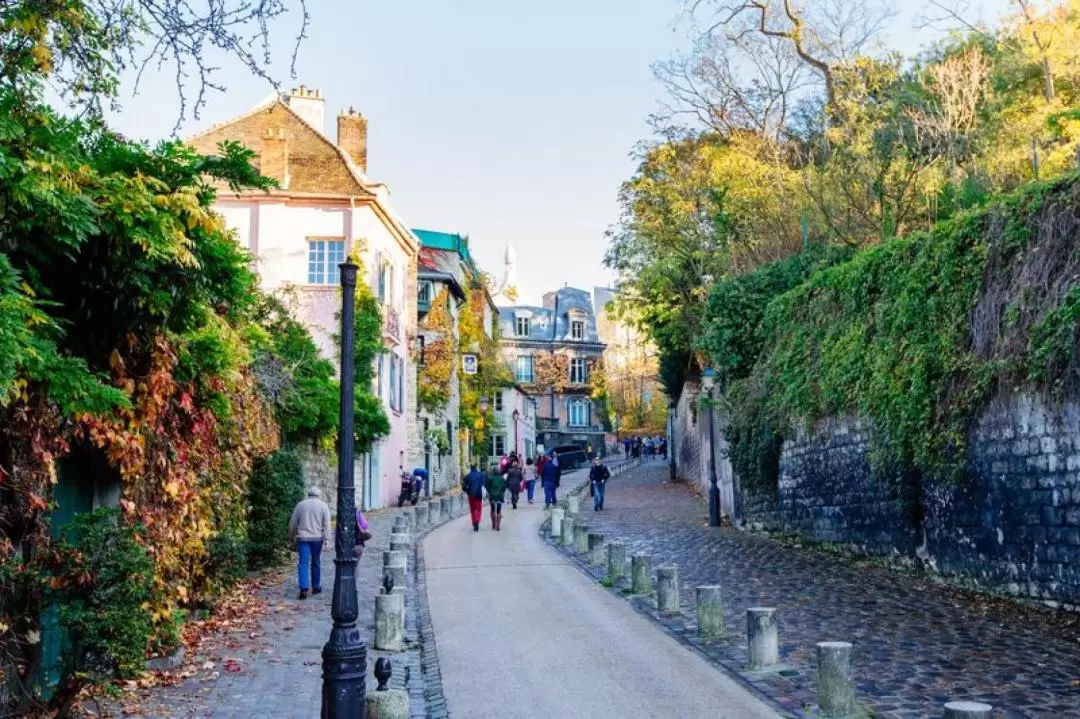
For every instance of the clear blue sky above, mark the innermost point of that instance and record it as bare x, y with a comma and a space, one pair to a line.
508, 121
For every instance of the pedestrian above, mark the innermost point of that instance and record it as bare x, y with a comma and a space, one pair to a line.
473, 484
363, 533
648, 449
514, 481
626, 447
663, 449
309, 529
530, 475
549, 477
598, 477
496, 491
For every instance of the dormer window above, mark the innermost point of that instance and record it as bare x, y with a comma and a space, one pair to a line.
577, 329
522, 326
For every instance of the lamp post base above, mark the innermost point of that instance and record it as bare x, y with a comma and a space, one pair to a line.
344, 675
714, 505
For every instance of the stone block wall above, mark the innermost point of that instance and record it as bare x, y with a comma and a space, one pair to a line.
1011, 524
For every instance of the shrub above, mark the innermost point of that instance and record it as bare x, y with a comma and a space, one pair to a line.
227, 558
105, 598
276, 485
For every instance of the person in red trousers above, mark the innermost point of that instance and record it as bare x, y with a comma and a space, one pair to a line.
473, 484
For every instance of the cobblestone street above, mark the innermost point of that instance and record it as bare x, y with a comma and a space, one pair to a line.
277, 672
917, 644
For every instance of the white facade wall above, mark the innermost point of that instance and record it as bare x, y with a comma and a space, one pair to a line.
276, 231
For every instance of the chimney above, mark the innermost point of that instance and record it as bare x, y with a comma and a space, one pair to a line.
274, 157
352, 136
310, 105
548, 300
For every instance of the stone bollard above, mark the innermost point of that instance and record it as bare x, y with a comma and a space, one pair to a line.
667, 589
568, 532
389, 704
710, 611
401, 526
966, 709
394, 562
616, 561
446, 508
836, 681
419, 517
389, 622
557, 521
436, 511
399, 545
573, 504
761, 636
581, 536
641, 574
596, 549
431, 512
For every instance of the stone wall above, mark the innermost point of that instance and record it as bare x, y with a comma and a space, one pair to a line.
691, 445
1012, 523
320, 469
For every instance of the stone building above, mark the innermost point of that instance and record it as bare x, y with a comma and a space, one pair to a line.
555, 353
325, 208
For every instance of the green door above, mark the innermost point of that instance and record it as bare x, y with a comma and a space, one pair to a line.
74, 494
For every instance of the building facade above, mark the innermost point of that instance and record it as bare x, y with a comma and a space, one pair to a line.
515, 431
556, 356
324, 210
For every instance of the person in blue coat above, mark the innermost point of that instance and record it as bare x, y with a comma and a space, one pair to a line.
550, 480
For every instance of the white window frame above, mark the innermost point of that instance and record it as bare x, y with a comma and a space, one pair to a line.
520, 376
581, 365
498, 401
581, 405
522, 321
426, 292
496, 442
577, 329
324, 255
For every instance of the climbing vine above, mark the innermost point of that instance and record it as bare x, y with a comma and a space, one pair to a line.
440, 355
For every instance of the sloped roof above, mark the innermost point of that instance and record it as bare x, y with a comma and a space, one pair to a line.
551, 323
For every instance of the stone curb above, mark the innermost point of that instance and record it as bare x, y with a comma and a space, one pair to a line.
644, 608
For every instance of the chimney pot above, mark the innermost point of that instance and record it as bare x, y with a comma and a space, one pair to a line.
352, 137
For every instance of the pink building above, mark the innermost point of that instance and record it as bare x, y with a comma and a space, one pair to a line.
325, 209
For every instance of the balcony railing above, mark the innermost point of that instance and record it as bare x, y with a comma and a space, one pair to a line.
546, 424
391, 323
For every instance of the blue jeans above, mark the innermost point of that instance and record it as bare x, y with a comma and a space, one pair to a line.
549, 493
529, 487
310, 553
598, 493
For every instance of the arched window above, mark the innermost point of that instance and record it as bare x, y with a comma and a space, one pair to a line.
579, 413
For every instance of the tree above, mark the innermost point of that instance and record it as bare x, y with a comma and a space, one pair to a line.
83, 47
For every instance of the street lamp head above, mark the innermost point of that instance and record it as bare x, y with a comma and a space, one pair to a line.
708, 379
484, 405
517, 415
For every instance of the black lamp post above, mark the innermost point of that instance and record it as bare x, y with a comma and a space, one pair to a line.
708, 380
483, 413
517, 418
345, 656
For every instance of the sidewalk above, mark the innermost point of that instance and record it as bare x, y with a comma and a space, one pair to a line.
274, 670
917, 644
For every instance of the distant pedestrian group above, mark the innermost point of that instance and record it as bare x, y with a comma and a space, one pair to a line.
650, 448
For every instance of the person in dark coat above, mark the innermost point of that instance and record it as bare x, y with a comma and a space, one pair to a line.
598, 477
495, 484
550, 478
514, 480
473, 484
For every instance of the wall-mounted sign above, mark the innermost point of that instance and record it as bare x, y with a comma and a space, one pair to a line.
469, 364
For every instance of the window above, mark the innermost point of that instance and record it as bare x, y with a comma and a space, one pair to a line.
579, 370
421, 347
498, 402
393, 382
523, 369
496, 446
401, 385
522, 327
324, 256
424, 294
379, 374
579, 413
385, 281
577, 329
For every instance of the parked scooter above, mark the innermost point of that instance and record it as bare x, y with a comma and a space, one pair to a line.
411, 485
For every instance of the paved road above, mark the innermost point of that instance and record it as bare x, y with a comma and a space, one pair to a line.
522, 633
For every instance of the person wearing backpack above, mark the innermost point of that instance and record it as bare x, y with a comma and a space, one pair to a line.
473, 484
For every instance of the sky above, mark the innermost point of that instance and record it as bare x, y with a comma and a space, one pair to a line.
511, 122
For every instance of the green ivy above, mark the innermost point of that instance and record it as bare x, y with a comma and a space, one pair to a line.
276, 485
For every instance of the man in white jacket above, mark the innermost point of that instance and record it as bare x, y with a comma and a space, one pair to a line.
309, 527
